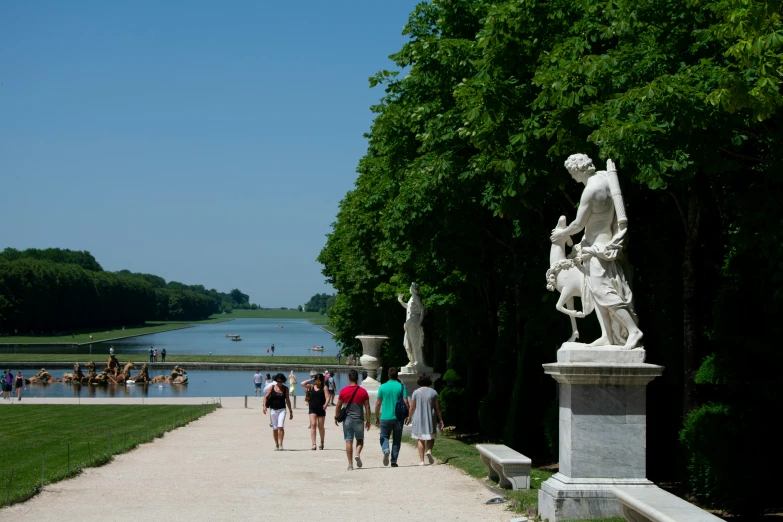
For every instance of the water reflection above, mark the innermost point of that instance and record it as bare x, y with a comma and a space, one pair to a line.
201, 383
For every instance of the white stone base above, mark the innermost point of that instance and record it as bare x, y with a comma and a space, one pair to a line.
566, 498
409, 380
371, 385
584, 353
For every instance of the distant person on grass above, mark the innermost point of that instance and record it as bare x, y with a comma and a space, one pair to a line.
19, 385
111, 350
319, 398
273, 350
276, 400
425, 417
356, 401
163, 355
257, 378
386, 416
151, 353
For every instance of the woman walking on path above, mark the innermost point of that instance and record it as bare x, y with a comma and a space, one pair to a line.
19, 385
425, 417
319, 398
8, 384
292, 386
276, 401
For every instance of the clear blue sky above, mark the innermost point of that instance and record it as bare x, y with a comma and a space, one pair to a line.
205, 142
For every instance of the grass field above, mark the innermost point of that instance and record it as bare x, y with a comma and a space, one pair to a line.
83, 337
66, 439
268, 314
465, 456
248, 359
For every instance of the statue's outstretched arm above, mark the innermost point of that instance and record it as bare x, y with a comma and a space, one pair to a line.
582, 214
400, 300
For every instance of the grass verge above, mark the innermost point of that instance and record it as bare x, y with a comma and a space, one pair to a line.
465, 456
46, 443
316, 360
83, 337
268, 314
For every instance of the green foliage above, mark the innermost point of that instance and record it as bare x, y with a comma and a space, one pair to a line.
81, 258
320, 303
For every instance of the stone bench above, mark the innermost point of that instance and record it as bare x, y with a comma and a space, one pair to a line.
652, 504
508, 467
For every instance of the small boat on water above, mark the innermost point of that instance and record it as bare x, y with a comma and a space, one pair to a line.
236, 338
279, 326
317, 349
232, 335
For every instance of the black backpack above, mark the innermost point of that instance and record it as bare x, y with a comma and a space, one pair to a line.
401, 409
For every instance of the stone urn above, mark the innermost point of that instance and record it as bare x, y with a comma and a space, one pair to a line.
371, 358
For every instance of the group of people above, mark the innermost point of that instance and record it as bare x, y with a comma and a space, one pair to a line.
9, 383
154, 354
393, 409
351, 360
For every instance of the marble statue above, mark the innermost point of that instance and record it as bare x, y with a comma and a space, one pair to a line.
604, 287
414, 332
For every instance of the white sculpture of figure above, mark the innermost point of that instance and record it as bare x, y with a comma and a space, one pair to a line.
605, 288
414, 332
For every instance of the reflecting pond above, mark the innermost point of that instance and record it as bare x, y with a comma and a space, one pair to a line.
201, 383
290, 337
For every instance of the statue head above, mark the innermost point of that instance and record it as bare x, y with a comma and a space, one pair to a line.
414, 289
580, 166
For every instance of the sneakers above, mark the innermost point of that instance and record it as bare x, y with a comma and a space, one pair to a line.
277, 448
386, 459
394, 465
421, 463
358, 460
350, 468
430, 458
281, 448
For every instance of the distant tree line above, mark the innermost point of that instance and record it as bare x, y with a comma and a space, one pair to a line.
320, 303
61, 290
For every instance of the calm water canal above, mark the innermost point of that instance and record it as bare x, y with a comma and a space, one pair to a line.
295, 337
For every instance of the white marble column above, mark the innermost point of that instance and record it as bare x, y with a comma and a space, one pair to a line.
603, 435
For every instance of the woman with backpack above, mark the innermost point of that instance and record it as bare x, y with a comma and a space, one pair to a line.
318, 395
425, 417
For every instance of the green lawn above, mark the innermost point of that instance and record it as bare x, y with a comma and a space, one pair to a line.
268, 314
83, 336
465, 456
67, 439
249, 359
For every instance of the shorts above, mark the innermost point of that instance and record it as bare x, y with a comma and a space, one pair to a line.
318, 413
8, 387
278, 418
258, 385
353, 428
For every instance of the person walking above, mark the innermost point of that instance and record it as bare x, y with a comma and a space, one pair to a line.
386, 419
332, 386
257, 378
155, 354
268, 383
292, 386
356, 401
275, 401
319, 398
8, 380
163, 355
151, 352
425, 417
273, 350
111, 350
19, 385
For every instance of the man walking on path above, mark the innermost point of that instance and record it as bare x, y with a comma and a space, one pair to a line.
163, 355
386, 417
151, 353
356, 401
257, 377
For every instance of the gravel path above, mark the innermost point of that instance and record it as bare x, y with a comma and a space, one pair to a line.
224, 466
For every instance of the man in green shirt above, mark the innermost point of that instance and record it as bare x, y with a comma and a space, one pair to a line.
386, 418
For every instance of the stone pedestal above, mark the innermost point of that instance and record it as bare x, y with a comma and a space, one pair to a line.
603, 434
409, 378
371, 360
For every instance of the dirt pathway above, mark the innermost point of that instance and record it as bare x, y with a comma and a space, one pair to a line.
224, 466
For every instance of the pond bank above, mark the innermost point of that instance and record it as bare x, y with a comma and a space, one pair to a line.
297, 367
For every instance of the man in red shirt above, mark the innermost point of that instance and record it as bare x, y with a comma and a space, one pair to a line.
356, 401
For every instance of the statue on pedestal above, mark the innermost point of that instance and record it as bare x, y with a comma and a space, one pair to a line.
414, 332
604, 287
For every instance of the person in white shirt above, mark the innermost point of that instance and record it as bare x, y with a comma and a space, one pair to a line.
257, 377
268, 383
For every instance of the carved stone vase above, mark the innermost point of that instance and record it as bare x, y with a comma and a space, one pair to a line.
371, 359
